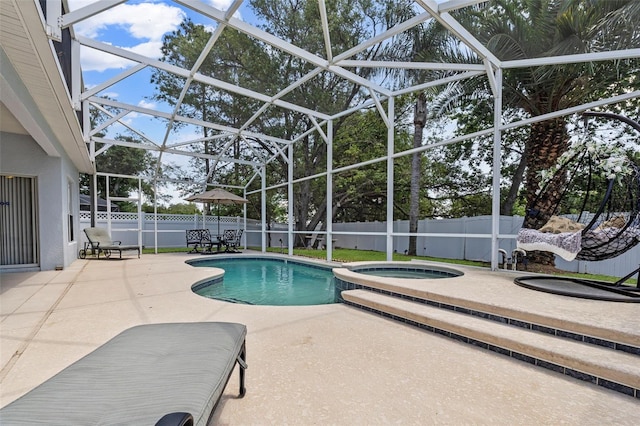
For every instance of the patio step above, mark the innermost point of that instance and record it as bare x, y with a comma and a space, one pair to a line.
613, 369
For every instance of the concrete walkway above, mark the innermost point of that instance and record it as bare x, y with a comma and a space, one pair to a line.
329, 364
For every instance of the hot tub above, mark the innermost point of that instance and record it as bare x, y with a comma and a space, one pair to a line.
409, 271
389, 277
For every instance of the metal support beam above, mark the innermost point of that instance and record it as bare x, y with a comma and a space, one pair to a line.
54, 16
290, 201
329, 220
263, 210
76, 75
390, 150
384, 117
497, 160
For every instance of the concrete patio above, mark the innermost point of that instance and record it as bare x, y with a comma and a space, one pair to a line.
328, 364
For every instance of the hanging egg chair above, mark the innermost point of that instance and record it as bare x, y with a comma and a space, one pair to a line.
588, 208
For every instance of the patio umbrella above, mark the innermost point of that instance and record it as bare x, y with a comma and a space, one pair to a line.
217, 196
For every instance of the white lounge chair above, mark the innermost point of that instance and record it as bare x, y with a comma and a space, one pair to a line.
100, 241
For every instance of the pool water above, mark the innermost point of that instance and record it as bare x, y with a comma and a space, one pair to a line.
273, 282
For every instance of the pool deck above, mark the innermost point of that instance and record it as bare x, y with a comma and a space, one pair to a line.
328, 364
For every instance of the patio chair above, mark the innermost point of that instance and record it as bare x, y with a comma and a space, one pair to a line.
194, 238
101, 242
169, 374
231, 240
208, 241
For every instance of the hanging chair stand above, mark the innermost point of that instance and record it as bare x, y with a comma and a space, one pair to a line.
594, 246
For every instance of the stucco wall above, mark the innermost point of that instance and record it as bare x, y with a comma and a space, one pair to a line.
20, 155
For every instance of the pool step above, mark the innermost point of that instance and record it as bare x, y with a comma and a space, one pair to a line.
613, 369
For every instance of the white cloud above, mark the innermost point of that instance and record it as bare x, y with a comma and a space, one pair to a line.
146, 22
224, 5
146, 104
95, 60
150, 49
221, 4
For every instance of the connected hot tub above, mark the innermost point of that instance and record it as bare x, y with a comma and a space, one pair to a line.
408, 270
388, 277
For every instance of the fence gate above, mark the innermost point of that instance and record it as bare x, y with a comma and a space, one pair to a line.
18, 221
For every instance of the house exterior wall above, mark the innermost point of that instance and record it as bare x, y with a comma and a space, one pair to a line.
20, 155
56, 174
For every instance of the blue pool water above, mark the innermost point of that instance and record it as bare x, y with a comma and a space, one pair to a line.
276, 282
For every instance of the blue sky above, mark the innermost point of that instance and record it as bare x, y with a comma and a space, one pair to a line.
139, 26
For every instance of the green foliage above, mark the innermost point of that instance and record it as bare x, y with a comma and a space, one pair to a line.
523, 29
180, 208
121, 160
455, 179
351, 22
532, 29
360, 193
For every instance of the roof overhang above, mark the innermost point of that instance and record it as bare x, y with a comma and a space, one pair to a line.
44, 107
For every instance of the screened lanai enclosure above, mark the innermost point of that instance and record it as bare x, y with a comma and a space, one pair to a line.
290, 103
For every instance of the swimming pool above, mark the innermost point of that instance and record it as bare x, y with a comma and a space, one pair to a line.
267, 281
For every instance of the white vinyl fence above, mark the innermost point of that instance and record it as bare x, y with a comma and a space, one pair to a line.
172, 227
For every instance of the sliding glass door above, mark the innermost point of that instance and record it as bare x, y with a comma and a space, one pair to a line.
18, 221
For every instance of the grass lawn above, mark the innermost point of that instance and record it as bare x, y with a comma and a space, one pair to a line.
351, 255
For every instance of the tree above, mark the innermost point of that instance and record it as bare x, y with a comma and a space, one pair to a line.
546, 28
522, 29
419, 119
359, 194
350, 23
180, 208
477, 116
123, 161
448, 174
235, 58
529, 29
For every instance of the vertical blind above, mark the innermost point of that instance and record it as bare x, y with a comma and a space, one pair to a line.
18, 221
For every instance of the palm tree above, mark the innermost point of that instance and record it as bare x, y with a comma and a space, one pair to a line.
524, 29
419, 120
551, 28
433, 40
